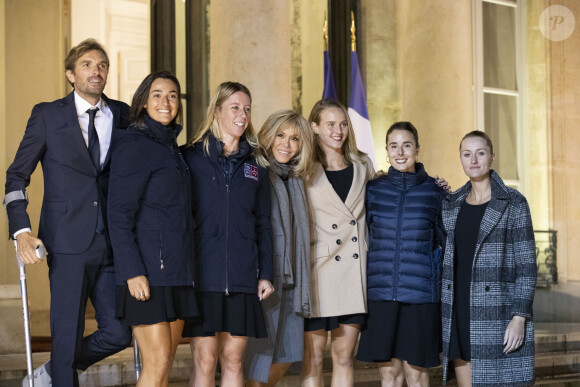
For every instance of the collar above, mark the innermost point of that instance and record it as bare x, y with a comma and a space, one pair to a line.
409, 178
244, 148
498, 189
82, 105
158, 131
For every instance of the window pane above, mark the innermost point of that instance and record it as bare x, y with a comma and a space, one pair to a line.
501, 126
499, 46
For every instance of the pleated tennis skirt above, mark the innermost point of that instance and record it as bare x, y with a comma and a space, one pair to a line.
166, 303
239, 314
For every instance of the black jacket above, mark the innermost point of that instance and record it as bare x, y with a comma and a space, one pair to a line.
232, 215
149, 207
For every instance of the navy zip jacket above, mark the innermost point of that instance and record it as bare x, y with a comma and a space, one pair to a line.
405, 234
150, 214
232, 216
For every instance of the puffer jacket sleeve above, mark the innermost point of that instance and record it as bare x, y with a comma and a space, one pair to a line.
522, 235
264, 228
129, 176
441, 234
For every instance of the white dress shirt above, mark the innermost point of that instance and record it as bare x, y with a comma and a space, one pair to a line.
103, 123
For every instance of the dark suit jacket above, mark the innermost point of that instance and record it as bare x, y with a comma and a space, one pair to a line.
72, 187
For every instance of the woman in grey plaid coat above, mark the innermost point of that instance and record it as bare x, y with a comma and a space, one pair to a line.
488, 330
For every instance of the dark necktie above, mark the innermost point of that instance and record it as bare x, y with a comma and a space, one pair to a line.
94, 145
95, 152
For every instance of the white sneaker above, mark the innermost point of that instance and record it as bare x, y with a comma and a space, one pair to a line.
41, 377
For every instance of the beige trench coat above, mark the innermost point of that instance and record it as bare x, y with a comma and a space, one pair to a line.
338, 253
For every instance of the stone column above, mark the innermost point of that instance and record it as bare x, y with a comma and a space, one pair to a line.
564, 121
250, 44
379, 39
435, 80
31, 71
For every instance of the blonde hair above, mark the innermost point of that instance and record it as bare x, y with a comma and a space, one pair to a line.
210, 124
275, 124
349, 150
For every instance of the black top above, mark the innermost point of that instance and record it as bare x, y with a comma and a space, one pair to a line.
466, 232
341, 181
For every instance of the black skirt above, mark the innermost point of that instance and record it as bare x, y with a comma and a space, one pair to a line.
331, 323
239, 314
166, 303
459, 340
410, 332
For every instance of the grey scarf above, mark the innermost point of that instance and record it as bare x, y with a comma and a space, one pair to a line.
289, 201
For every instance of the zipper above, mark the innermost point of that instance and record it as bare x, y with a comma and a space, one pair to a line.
184, 172
161, 249
227, 176
398, 241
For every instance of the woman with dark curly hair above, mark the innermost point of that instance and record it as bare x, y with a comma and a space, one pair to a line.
151, 226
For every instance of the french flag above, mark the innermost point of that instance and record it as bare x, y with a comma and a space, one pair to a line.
329, 90
357, 110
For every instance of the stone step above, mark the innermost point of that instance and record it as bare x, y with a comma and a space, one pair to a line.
118, 370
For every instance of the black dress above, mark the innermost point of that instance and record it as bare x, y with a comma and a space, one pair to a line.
341, 181
466, 232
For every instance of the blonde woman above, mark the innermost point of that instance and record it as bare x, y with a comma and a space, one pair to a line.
336, 193
287, 140
489, 276
233, 236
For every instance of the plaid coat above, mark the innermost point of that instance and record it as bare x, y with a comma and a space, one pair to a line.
502, 285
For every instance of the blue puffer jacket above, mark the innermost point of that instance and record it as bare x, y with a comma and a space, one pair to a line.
150, 213
232, 215
405, 234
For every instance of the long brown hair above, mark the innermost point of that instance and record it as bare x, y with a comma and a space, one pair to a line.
141, 96
350, 152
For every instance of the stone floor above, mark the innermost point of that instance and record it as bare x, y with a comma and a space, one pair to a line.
557, 364
557, 314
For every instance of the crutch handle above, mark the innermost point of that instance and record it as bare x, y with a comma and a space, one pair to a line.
40, 254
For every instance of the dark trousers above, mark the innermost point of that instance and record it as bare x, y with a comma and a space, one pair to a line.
73, 280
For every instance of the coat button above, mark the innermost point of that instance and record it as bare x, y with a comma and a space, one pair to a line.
337, 257
352, 222
355, 256
487, 288
334, 226
338, 241
95, 204
354, 239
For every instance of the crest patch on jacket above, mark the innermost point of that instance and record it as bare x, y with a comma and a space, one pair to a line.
251, 171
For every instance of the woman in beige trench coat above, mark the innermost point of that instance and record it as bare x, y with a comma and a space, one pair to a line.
336, 192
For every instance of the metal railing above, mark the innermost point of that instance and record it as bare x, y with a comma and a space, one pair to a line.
546, 249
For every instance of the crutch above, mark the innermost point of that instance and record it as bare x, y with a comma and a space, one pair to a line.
137, 359
40, 253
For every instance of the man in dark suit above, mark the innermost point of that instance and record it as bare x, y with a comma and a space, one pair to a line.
71, 137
